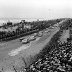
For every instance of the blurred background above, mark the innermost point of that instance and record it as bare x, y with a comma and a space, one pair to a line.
16, 10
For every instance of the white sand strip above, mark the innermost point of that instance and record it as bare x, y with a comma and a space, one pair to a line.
37, 38
16, 51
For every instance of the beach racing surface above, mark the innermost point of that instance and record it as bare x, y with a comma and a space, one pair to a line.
15, 55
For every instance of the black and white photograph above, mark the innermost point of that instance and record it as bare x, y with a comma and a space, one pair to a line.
35, 36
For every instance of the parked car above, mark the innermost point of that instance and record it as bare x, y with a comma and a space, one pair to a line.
25, 41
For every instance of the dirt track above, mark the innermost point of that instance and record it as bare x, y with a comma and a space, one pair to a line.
9, 62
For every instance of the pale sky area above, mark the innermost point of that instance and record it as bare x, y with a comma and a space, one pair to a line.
47, 9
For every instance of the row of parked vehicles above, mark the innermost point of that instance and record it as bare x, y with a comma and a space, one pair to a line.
31, 38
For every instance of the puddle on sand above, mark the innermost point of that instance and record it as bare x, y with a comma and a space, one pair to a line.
16, 51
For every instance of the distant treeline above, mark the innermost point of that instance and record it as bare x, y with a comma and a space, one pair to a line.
67, 24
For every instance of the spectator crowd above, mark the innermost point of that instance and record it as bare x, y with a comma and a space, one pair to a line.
57, 60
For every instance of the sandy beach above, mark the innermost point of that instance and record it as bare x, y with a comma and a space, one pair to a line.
16, 51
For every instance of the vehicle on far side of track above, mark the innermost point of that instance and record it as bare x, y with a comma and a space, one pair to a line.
21, 38
40, 34
25, 41
32, 38
35, 34
46, 31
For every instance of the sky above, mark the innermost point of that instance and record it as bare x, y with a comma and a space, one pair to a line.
46, 9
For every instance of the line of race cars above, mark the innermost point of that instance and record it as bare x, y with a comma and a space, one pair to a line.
31, 38
34, 36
